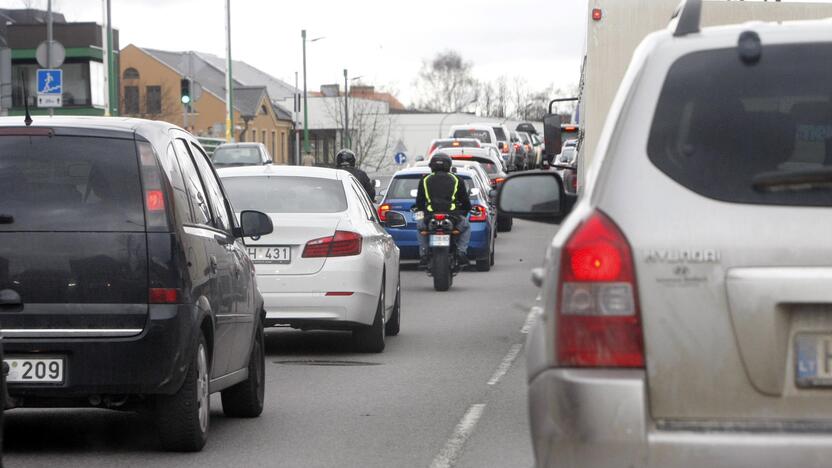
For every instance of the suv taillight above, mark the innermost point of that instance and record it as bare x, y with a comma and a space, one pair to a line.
481, 216
155, 205
342, 244
598, 319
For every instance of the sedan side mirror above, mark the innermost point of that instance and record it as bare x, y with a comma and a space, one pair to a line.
535, 196
253, 224
395, 219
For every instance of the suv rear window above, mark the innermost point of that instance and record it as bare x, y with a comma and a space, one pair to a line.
402, 186
278, 194
482, 135
236, 156
64, 183
721, 126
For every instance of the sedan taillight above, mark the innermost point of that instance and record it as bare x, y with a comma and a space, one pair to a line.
342, 244
598, 319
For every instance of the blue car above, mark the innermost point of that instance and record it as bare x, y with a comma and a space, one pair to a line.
401, 196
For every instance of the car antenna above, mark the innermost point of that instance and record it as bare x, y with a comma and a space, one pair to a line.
28, 119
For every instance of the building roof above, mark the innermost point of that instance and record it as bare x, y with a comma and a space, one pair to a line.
247, 97
248, 75
28, 16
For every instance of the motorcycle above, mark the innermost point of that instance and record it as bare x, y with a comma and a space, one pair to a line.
442, 262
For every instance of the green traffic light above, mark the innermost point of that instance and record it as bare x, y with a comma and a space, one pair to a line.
186, 99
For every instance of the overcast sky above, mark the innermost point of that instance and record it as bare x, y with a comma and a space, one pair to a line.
383, 41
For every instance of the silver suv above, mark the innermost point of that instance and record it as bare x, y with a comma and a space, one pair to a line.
687, 299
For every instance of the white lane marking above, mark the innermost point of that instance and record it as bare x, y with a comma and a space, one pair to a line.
505, 364
453, 448
533, 314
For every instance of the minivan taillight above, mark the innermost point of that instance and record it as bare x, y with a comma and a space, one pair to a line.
342, 244
598, 319
155, 213
163, 296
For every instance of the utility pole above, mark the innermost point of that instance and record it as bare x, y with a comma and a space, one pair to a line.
229, 81
347, 142
112, 78
105, 39
49, 42
296, 117
305, 108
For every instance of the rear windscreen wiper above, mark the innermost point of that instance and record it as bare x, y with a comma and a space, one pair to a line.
797, 180
6, 218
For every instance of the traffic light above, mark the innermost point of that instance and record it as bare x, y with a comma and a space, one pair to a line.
185, 86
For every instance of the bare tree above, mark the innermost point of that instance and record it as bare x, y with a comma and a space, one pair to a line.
487, 100
446, 83
502, 98
371, 134
519, 96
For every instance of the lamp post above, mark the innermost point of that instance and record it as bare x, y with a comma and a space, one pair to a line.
305, 107
347, 139
229, 81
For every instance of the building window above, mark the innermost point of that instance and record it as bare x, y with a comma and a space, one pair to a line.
254, 135
283, 150
131, 74
274, 153
131, 100
153, 96
263, 137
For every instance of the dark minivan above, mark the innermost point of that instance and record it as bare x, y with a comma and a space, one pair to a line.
124, 283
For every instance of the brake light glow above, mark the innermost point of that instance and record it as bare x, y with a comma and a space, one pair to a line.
163, 296
382, 211
456, 143
597, 14
598, 318
439, 217
462, 156
498, 181
481, 215
342, 244
155, 200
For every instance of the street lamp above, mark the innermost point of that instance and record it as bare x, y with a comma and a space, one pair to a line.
305, 108
441, 122
347, 139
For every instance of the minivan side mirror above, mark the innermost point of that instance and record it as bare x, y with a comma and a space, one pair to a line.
253, 224
535, 196
394, 219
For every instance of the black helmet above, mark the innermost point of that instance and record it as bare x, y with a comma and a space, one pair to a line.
345, 157
440, 162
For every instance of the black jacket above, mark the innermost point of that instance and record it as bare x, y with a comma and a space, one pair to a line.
363, 179
440, 193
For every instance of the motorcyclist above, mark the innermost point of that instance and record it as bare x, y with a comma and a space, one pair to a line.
345, 159
443, 192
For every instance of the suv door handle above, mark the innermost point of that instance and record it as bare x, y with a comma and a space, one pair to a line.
213, 264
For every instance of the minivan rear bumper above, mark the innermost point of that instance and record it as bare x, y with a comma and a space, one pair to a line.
599, 418
153, 362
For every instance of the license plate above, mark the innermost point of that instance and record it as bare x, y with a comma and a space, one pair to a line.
275, 254
814, 360
440, 240
35, 370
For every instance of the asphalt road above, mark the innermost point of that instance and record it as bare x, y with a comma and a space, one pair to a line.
448, 391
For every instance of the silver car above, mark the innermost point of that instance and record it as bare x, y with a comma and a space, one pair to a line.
686, 318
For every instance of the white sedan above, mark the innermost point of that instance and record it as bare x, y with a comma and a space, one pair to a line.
329, 264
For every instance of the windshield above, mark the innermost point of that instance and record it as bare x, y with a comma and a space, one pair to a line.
482, 135
276, 194
238, 156
500, 133
63, 183
716, 132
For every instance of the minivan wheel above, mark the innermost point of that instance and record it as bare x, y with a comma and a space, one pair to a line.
371, 339
183, 418
245, 399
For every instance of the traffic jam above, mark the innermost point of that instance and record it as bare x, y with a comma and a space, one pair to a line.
640, 280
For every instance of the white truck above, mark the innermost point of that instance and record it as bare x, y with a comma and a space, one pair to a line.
616, 27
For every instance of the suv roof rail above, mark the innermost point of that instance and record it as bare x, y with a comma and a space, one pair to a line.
687, 16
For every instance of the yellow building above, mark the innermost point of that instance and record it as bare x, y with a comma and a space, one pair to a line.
151, 88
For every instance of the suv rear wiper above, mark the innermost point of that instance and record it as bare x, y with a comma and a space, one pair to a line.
798, 180
6, 218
